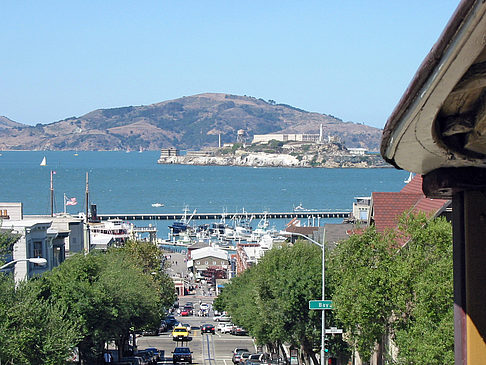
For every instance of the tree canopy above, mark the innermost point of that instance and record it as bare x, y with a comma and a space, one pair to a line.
271, 299
85, 302
397, 284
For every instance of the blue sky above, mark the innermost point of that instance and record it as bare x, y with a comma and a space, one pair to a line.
350, 59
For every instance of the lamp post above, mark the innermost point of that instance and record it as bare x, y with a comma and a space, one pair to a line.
323, 314
34, 260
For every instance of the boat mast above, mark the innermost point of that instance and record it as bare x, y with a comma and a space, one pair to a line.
87, 197
52, 196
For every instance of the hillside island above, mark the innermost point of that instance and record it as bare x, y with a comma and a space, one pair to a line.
278, 150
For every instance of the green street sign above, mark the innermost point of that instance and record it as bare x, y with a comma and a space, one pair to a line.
320, 304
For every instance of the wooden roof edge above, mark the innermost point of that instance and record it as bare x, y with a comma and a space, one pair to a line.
424, 72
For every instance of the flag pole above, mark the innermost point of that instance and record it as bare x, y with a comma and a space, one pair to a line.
65, 203
52, 197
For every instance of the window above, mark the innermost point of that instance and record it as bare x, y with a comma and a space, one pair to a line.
206, 263
198, 262
37, 249
214, 262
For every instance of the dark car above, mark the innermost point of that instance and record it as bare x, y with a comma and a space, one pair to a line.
170, 322
208, 328
158, 353
149, 357
182, 354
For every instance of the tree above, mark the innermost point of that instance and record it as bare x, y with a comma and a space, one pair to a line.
359, 268
400, 283
7, 240
271, 299
108, 293
33, 330
424, 292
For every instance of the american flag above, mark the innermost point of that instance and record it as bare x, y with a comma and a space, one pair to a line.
71, 201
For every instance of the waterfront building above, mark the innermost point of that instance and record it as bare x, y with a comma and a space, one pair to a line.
71, 231
167, 152
288, 137
357, 151
36, 239
361, 208
206, 258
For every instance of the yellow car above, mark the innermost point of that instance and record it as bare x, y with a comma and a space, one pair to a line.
180, 333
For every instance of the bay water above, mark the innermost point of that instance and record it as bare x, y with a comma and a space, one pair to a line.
121, 182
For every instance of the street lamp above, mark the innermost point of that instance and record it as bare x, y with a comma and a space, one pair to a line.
34, 260
323, 314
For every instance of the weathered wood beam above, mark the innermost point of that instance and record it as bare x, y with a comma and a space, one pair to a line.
474, 78
443, 183
476, 139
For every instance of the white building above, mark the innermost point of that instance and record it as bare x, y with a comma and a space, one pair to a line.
36, 240
288, 137
39, 237
208, 257
357, 151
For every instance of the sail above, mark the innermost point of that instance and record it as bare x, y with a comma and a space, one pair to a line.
44, 161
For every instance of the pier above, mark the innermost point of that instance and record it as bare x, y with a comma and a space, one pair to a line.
218, 216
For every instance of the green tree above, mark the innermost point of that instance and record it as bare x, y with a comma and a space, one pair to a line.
424, 292
7, 240
397, 284
271, 299
108, 293
33, 330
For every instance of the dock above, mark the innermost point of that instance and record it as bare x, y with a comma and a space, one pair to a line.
218, 216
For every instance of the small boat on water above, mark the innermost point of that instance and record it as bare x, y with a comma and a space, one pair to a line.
157, 205
300, 208
44, 161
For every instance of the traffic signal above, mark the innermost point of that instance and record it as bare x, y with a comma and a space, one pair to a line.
326, 344
332, 361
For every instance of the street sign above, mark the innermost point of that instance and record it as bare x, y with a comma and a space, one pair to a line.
334, 330
320, 304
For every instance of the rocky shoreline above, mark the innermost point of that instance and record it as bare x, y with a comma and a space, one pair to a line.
278, 160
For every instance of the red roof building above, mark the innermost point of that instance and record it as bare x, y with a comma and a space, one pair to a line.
387, 207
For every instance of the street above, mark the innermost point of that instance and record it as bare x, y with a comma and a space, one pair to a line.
207, 349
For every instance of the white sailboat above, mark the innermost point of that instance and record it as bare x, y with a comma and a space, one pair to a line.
44, 161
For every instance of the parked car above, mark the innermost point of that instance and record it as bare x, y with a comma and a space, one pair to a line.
180, 333
184, 312
227, 328
149, 357
188, 326
238, 331
171, 321
182, 354
258, 357
207, 328
188, 309
222, 318
220, 326
244, 356
158, 353
151, 332
237, 354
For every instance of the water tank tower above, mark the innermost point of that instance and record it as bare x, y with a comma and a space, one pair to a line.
241, 136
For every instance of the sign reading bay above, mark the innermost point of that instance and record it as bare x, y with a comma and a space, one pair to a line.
320, 304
